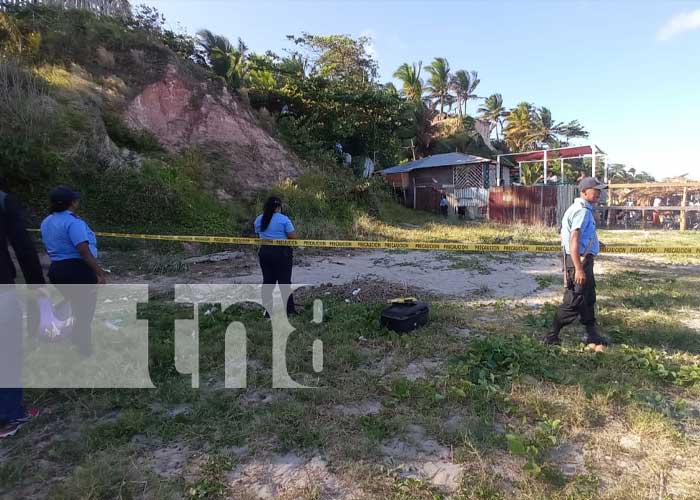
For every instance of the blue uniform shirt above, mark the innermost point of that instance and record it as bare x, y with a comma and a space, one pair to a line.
279, 227
580, 216
61, 232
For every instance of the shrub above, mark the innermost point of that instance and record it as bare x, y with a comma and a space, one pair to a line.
141, 141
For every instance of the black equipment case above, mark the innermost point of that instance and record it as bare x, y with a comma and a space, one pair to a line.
404, 317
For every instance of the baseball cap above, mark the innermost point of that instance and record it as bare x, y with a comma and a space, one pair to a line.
591, 183
63, 195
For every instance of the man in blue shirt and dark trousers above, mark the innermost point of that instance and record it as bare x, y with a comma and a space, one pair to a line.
581, 245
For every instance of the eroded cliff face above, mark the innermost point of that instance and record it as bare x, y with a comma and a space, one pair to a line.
184, 113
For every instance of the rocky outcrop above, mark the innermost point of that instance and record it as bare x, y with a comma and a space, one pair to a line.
183, 112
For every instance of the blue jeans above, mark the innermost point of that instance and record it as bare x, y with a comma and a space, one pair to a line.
11, 356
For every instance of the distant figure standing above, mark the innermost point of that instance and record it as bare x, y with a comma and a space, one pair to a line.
339, 152
443, 205
72, 246
655, 219
580, 242
13, 232
275, 261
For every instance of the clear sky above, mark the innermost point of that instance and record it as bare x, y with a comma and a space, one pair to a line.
629, 71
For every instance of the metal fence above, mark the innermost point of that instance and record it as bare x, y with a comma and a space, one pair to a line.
102, 7
535, 205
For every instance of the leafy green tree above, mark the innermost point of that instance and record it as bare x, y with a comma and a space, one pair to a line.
531, 173
619, 173
339, 57
10, 36
296, 66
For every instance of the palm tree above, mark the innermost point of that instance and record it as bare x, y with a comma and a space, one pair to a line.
225, 60
617, 172
412, 85
531, 173
572, 129
390, 88
520, 132
424, 127
463, 84
545, 129
439, 81
493, 111
295, 66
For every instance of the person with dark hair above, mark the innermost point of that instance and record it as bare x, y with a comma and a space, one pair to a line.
72, 246
580, 246
13, 232
275, 261
443, 205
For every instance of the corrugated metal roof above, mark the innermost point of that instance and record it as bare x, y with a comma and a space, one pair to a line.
443, 160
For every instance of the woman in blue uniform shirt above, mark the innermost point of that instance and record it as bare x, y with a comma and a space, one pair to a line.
72, 247
275, 261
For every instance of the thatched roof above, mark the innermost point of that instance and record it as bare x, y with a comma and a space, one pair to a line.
646, 192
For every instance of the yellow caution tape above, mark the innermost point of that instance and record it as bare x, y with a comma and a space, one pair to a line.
403, 300
401, 245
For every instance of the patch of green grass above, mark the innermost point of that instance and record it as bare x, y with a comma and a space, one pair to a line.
294, 426
546, 280
415, 489
376, 427
480, 487
166, 265
120, 432
13, 471
468, 263
112, 474
542, 318
212, 482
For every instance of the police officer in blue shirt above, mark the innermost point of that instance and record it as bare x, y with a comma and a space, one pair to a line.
72, 247
580, 242
275, 261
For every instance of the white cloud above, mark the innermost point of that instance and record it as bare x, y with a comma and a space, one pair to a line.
686, 21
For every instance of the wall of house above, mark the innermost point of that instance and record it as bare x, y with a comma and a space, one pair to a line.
438, 177
505, 176
398, 180
431, 183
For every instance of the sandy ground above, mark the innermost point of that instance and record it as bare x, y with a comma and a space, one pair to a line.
527, 277
453, 275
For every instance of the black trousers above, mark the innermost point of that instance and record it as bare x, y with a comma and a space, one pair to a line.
276, 265
579, 300
65, 275
443, 210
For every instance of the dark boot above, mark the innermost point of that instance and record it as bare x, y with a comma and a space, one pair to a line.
593, 337
552, 339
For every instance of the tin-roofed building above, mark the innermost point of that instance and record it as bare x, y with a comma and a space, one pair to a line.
464, 178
